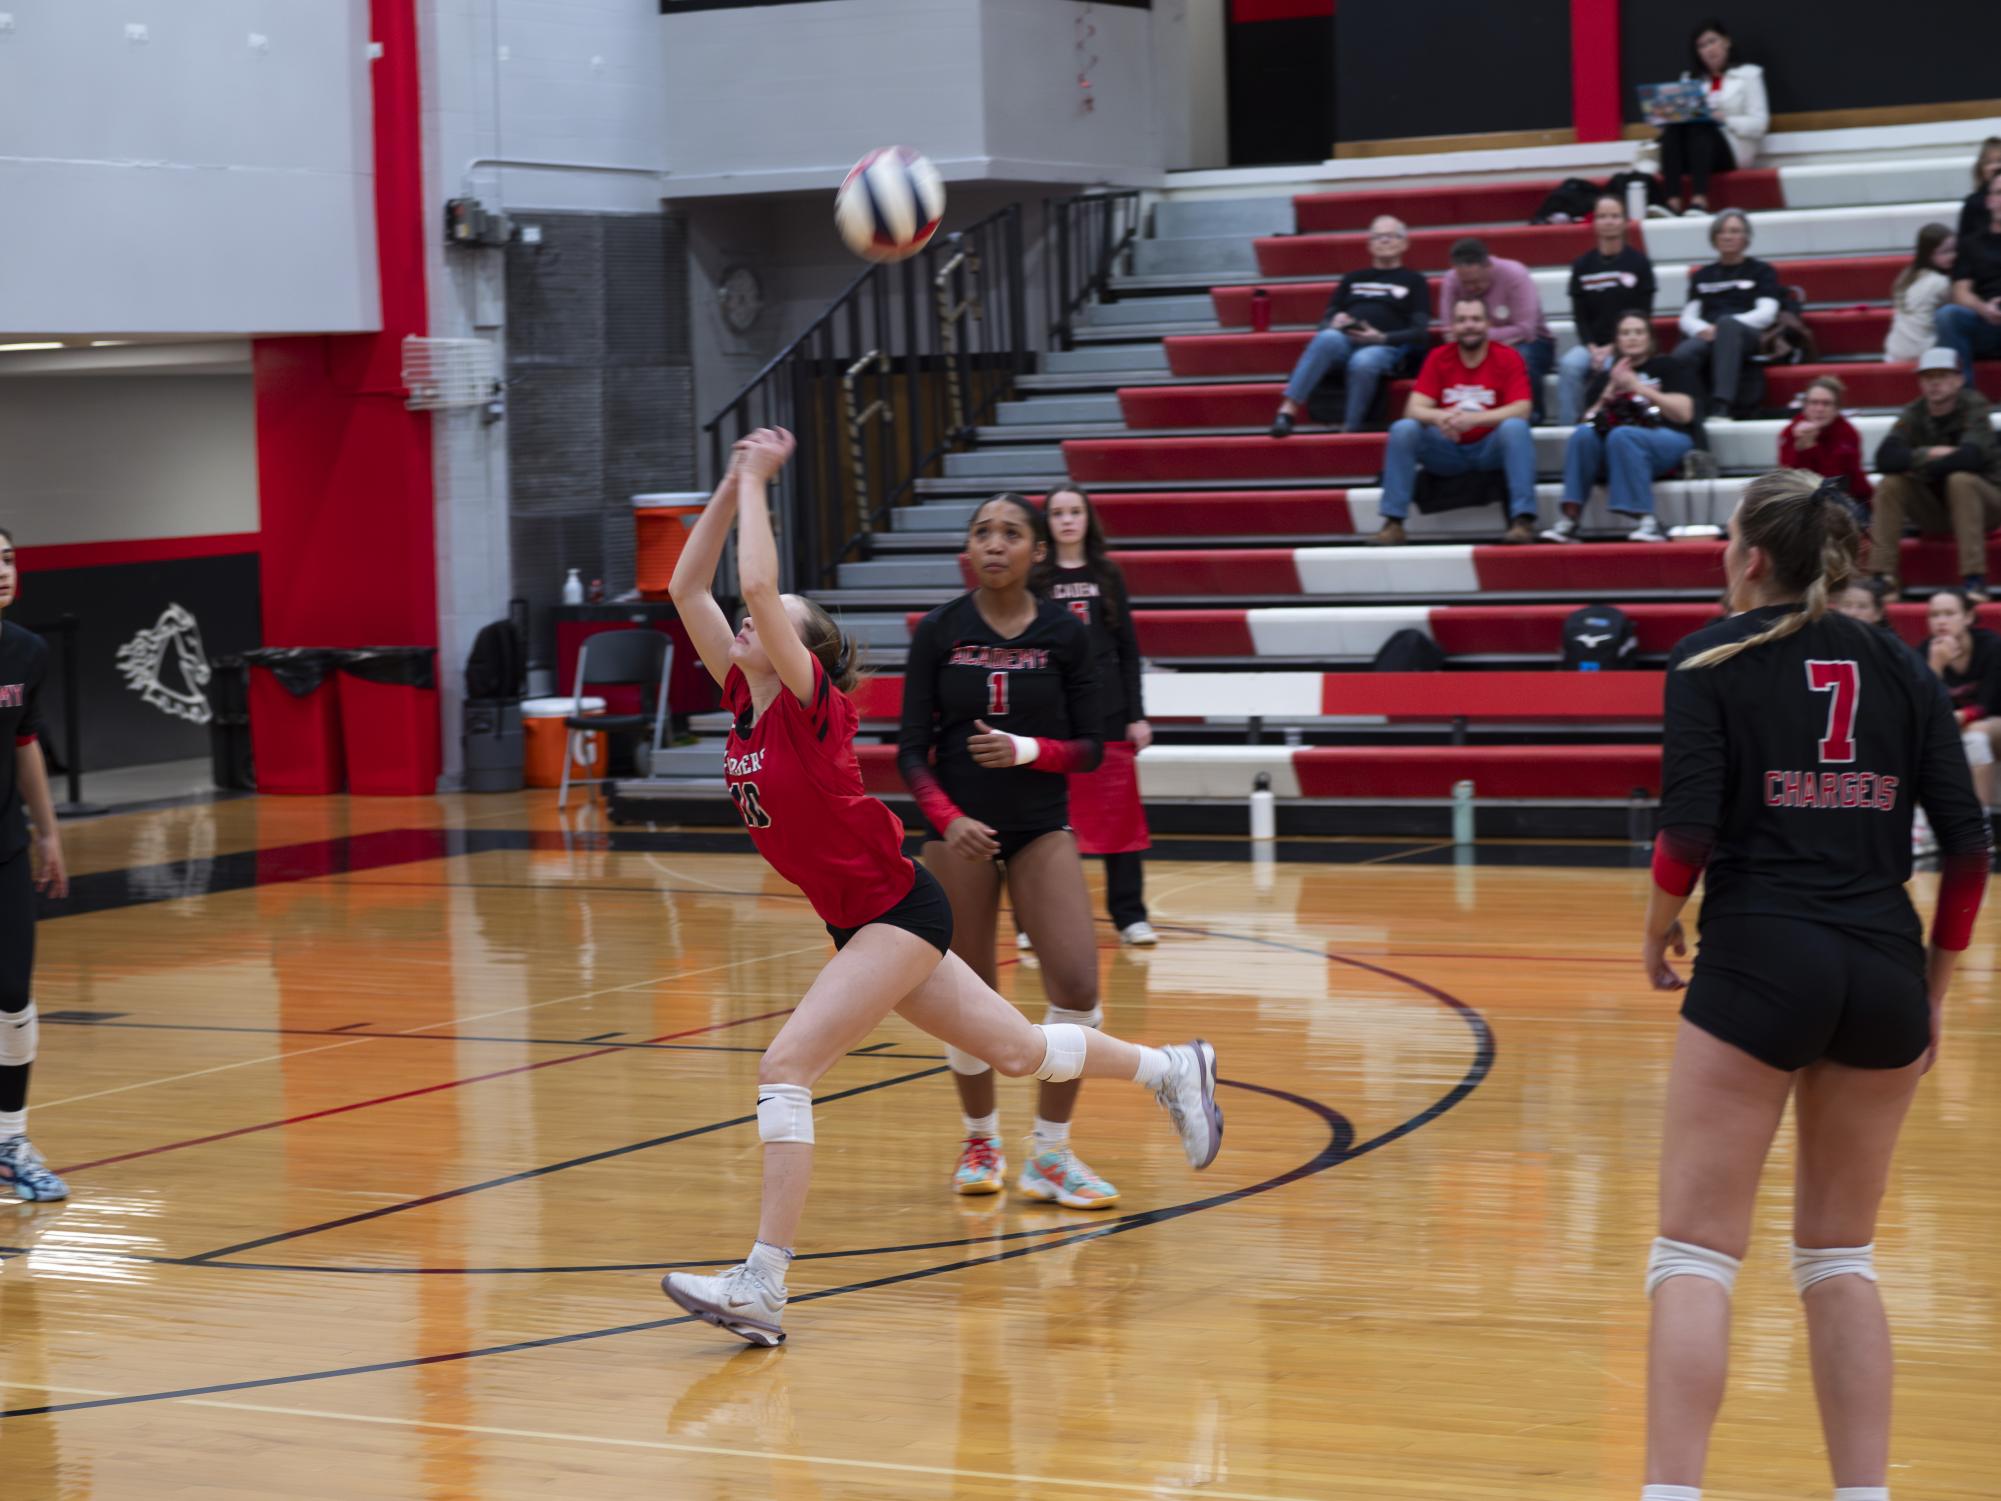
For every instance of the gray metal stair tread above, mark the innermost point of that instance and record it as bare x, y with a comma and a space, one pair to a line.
1130, 333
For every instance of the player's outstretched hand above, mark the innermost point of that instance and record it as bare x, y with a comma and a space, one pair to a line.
972, 839
990, 748
1653, 954
764, 452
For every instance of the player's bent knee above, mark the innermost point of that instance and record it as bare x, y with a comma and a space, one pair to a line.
1094, 1018
784, 1113
1063, 1055
963, 1062
20, 1036
1679, 1258
1812, 1264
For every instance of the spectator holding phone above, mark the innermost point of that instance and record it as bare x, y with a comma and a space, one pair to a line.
1376, 325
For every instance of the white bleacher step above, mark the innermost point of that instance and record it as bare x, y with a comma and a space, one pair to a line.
1093, 359
1043, 410
1183, 218
938, 572
1149, 310
1209, 254
1007, 462
1853, 184
1786, 234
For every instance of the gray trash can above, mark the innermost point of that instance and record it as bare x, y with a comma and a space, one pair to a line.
493, 747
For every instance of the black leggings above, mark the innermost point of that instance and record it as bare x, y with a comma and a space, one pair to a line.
17, 961
1695, 149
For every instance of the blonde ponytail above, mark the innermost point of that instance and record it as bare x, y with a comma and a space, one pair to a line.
1805, 527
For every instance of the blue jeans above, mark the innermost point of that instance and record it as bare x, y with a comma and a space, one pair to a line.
1632, 457
1573, 374
1968, 335
1540, 356
1367, 364
1509, 447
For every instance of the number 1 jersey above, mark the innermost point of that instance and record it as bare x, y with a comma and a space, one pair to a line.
1040, 684
1802, 760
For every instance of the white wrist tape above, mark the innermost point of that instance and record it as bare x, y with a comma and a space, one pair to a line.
1026, 748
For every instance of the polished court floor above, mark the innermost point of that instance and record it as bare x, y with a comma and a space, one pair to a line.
382, 1120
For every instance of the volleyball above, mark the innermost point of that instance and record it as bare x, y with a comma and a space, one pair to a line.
889, 205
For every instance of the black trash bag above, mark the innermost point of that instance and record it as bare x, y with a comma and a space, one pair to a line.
395, 666
1409, 650
300, 668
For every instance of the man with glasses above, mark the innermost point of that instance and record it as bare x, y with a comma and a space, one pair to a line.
1376, 326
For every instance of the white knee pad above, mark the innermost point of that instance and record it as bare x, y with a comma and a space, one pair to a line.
1677, 1258
784, 1113
1979, 749
20, 1034
963, 1062
1094, 1018
1813, 1264
1064, 1059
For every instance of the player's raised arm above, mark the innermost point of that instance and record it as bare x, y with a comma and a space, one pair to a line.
765, 453
693, 584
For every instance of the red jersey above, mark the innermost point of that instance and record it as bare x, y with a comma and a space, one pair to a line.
1500, 378
793, 775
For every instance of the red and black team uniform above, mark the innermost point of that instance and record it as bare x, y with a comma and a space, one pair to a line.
1791, 774
1105, 807
793, 775
1041, 685
24, 663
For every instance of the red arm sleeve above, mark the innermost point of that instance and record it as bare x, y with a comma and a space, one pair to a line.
1679, 855
1961, 886
1068, 755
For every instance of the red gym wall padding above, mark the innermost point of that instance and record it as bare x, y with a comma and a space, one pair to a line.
343, 469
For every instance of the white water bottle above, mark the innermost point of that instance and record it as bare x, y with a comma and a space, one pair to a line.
1462, 812
573, 589
1264, 808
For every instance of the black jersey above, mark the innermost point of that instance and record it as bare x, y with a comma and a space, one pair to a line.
1802, 760
1040, 684
1114, 644
1976, 691
1604, 288
24, 663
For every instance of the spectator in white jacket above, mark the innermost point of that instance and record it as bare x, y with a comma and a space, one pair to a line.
1918, 291
1738, 119
1731, 302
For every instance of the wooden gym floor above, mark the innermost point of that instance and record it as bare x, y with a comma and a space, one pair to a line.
383, 1118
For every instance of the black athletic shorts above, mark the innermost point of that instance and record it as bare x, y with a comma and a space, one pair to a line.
1791, 992
1013, 841
925, 912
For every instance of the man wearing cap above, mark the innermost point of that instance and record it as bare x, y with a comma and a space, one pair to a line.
1941, 472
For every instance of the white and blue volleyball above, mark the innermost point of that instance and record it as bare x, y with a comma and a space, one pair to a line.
889, 206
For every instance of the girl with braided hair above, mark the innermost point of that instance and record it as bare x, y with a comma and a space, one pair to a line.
1798, 744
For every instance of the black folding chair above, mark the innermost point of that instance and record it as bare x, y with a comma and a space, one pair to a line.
642, 659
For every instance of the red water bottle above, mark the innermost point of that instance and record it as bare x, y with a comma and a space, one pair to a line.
1260, 311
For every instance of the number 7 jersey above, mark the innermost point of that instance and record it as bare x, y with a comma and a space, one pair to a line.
1802, 760
793, 776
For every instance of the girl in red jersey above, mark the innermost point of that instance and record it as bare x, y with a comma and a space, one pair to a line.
1798, 743
1000, 688
791, 769
1105, 806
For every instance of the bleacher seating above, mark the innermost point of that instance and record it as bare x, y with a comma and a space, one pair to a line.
1241, 549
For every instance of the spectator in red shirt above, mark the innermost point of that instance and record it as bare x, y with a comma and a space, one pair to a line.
1468, 412
1824, 441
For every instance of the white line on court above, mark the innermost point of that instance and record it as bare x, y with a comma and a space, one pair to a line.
763, 1456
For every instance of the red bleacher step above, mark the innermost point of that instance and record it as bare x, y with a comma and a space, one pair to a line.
1493, 203
1569, 772
1315, 456
1430, 249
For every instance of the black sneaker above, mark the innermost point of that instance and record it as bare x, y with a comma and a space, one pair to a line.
1281, 425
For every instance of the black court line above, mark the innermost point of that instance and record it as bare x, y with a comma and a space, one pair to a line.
1329, 1156
536, 1172
601, 1037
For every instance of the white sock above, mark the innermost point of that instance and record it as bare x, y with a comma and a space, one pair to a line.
769, 1262
1051, 1136
1152, 1067
987, 1125
13, 1123
1862, 1493
1671, 1493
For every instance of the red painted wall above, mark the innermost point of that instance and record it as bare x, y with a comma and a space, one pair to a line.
343, 469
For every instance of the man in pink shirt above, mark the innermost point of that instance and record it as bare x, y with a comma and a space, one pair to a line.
1514, 309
